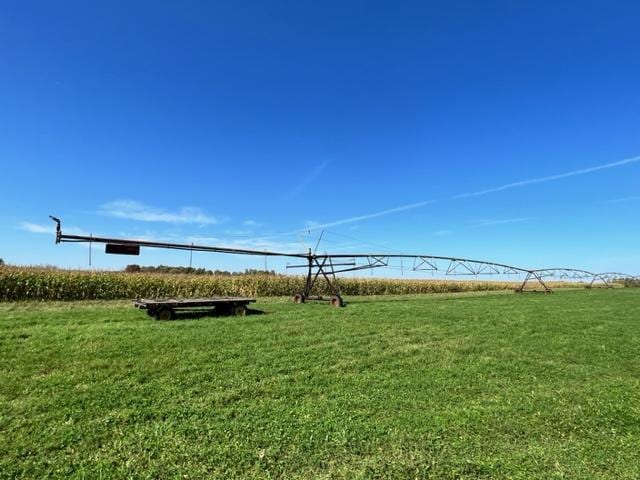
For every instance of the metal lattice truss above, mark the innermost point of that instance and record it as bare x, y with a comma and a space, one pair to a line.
327, 266
534, 279
604, 278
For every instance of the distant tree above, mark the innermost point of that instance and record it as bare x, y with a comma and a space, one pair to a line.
253, 271
1, 262
193, 271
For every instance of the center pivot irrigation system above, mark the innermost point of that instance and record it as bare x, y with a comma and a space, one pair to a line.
328, 265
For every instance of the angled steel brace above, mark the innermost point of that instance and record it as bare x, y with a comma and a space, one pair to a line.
602, 278
533, 275
424, 264
452, 269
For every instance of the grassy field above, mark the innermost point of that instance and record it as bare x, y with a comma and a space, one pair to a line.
445, 386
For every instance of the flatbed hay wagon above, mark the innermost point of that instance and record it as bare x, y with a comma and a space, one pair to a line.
165, 308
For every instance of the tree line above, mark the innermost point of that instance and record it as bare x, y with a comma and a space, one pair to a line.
134, 268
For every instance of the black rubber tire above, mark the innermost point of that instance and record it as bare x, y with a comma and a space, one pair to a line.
164, 314
298, 298
239, 310
336, 301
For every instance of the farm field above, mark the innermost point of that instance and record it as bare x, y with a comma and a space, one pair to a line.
490, 385
33, 283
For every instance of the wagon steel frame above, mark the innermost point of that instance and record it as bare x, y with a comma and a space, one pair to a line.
165, 308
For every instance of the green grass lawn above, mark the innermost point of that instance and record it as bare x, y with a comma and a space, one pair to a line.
477, 386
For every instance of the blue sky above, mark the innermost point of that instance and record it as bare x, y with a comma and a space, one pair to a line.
506, 131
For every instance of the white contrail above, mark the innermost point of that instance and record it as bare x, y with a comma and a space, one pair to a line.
371, 215
302, 186
507, 186
491, 223
550, 178
624, 199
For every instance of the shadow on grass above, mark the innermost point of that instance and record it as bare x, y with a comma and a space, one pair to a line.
199, 314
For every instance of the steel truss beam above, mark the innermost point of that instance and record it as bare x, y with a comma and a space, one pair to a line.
582, 275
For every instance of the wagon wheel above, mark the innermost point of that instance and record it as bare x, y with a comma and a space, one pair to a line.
336, 301
164, 314
298, 298
239, 310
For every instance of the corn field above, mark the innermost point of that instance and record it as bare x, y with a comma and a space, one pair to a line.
29, 283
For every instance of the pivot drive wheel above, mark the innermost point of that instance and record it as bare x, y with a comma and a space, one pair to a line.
336, 301
164, 314
298, 298
239, 310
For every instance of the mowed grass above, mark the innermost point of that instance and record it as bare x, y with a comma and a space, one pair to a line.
478, 386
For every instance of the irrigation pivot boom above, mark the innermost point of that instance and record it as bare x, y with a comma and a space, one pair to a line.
327, 265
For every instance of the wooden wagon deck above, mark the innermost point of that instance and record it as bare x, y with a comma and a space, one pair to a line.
165, 308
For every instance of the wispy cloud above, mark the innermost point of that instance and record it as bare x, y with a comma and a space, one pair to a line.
490, 223
252, 223
133, 210
238, 232
48, 229
308, 179
625, 199
550, 178
442, 233
521, 183
246, 243
37, 228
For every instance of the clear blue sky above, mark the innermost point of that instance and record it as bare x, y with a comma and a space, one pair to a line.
227, 121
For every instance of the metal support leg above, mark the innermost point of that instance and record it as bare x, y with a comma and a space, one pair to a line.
532, 274
546, 288
600, 277
332, 286
308, 283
